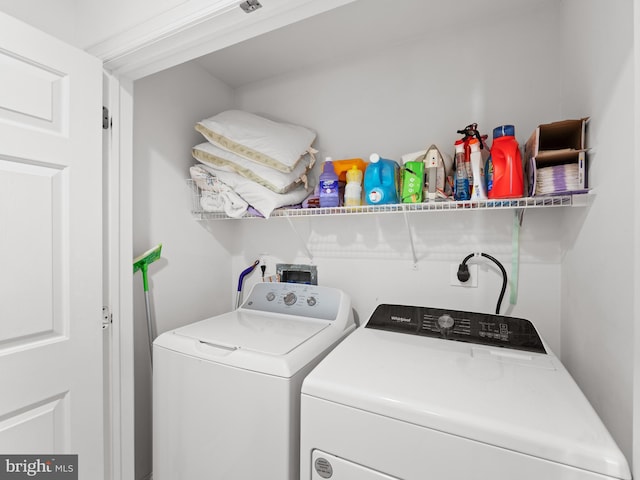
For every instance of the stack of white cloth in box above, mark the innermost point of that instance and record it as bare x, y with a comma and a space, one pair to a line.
557, 179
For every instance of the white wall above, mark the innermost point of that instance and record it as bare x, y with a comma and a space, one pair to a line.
102, 20
598, 278
87, 22
407, 97
191, 281
57, 18
370, 258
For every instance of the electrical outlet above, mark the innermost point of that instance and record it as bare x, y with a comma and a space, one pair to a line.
473, 279
268, 262
267, 259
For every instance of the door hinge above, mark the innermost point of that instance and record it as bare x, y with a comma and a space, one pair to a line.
106, 121
107, 317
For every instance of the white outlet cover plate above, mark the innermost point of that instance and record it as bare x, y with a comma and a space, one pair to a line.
471, 283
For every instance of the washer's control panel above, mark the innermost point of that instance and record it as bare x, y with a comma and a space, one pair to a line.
480, 328
312, 301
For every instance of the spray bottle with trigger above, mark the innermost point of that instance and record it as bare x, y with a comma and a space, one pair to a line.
473, 160
479, 188
461, 184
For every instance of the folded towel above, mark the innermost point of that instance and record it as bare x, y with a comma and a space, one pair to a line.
259, 197
216, 196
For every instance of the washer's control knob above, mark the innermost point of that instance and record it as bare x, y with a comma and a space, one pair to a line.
311, 301
271, 296
290, 298
446, 323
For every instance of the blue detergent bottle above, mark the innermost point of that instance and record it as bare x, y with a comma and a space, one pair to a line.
381, 181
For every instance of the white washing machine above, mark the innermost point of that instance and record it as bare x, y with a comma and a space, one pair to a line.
226, 390
422, 393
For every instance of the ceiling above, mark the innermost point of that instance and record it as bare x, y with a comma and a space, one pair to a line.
358, 28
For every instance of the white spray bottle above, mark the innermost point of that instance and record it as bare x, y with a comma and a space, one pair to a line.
479, 189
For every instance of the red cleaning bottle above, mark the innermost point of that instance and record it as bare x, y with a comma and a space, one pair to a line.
504, 167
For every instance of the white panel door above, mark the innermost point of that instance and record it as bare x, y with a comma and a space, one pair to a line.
50, 248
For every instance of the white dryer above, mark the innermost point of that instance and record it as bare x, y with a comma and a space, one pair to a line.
226, 390
422, 393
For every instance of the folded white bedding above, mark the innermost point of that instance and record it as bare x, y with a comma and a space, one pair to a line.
274, 144
260, 198
275, 180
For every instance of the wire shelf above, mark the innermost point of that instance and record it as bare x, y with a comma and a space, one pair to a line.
570, 200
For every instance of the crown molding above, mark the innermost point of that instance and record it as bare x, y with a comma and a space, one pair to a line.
196, 28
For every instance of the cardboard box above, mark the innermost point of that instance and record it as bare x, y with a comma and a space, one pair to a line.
553, 151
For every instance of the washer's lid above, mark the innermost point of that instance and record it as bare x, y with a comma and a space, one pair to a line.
258, 332
520, 400
279, 330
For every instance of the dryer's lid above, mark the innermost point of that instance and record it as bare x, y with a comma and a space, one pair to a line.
257, 332
519, 400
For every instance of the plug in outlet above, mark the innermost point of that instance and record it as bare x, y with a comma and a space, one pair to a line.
269, 262
473, 279
266, 265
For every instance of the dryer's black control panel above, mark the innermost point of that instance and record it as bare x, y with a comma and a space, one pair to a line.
456, 325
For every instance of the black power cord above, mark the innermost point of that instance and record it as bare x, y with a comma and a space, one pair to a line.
464, 275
